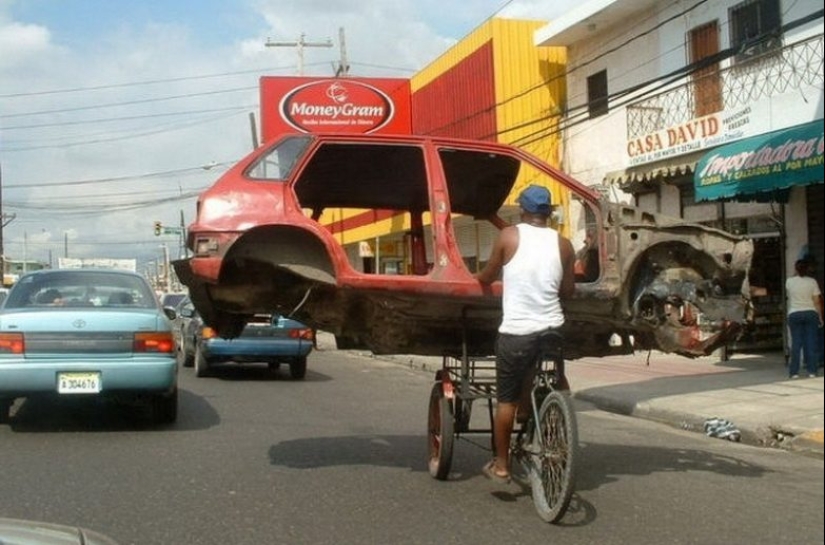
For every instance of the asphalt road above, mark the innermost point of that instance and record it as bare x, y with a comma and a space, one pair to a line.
341, 458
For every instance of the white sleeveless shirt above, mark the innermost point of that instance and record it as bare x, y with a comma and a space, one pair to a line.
531, 281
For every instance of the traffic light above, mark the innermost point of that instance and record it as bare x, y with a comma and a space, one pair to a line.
158, 228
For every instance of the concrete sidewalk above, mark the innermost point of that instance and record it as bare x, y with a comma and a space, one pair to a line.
752, 392
749, 392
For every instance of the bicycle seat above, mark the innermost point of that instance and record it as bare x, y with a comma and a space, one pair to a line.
552, 344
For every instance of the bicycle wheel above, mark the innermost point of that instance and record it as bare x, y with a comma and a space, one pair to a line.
553, 468
440, 429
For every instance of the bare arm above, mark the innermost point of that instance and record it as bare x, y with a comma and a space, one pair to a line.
503, 249
568, 260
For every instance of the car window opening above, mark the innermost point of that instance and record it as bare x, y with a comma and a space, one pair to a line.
346, 186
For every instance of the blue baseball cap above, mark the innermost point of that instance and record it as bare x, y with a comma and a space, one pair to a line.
535, 199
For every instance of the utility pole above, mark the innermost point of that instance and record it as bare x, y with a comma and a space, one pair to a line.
167, 284
182, 250
343, 66
253, 128
301, 43
5, 219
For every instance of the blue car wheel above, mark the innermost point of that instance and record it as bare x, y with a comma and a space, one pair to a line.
201, 363
5, 409
298, 368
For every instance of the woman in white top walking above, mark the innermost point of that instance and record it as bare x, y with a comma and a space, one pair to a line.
804, 319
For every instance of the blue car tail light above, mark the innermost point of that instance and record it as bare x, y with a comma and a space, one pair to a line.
304, 334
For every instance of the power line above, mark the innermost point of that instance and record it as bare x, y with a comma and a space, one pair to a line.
124, 118
108, 139
101, 209
383, 67
299, 44
665, 80
138, 83
128, 103
567, 71
160, 174
543, 131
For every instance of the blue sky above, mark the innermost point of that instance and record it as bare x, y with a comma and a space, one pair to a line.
113, 113
79, 23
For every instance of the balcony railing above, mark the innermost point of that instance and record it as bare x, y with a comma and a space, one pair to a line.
744, 82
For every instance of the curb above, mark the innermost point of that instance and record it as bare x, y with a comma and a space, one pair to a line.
809, 443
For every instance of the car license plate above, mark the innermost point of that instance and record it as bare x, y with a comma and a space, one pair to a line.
78, 383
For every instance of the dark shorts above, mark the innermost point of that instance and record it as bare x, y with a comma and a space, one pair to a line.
515, 361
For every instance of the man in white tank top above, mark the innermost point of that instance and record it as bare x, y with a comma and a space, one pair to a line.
537, 266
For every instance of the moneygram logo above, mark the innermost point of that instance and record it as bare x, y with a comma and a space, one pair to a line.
336, 106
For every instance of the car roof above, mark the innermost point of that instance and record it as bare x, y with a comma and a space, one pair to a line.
481, 174
48, 272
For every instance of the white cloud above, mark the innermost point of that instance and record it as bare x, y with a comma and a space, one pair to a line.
21, 42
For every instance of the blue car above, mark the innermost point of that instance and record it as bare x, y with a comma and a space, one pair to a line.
87, 333
267, 338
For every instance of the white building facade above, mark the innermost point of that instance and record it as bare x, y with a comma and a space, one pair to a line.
667, 99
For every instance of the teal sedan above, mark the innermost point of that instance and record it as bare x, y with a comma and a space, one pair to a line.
87, 333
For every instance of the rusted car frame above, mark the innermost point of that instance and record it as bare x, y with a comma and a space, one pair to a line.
265, 238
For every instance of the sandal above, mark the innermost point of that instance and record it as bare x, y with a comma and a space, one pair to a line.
489, 471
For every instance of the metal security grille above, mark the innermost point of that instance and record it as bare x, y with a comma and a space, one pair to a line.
792, 67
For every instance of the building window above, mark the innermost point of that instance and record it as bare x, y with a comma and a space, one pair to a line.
597, 94
755, 28
707, 81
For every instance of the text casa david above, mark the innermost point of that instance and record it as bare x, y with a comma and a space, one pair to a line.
687, 135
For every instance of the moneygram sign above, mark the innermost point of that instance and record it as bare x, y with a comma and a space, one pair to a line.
345, 105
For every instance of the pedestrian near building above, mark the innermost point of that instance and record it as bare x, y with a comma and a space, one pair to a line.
804, 301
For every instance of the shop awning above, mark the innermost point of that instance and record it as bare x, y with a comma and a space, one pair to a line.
761, 166
649, 176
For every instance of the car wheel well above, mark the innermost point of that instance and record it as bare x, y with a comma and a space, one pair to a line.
664, 269
295, 250
266, 265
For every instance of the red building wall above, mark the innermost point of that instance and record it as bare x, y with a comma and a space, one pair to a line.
461, 101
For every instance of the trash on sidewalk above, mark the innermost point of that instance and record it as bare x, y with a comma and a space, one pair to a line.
723, 429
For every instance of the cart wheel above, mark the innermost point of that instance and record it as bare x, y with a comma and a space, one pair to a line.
440, 430
553, 471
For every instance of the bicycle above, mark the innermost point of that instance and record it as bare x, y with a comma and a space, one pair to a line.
545, 447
